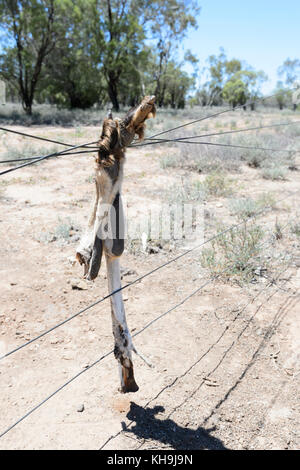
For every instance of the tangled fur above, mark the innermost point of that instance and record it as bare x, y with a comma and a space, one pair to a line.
117, 134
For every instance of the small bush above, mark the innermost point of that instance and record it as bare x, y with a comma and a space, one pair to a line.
169, 161
185, 192
235, 254
275, 173
267, 200
27, 151
65, 232
216, 184
244, 208
295, 229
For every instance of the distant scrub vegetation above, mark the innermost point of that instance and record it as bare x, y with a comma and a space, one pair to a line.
84, 53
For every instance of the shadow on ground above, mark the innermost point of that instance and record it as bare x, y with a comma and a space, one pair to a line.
167, 432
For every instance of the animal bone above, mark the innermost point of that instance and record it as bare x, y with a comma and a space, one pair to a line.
105, 231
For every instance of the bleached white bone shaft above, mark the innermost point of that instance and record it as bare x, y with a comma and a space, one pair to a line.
123, 341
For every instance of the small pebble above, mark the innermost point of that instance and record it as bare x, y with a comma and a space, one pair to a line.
80, 408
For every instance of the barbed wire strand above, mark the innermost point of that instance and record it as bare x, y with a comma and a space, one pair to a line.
97, 302
89, 367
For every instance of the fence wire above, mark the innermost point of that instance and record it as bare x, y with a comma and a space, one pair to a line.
140, 278
87, 148
240, 311
151, 140
111, 352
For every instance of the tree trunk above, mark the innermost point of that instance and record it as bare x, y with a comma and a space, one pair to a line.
27, 104
161, 96
113, 92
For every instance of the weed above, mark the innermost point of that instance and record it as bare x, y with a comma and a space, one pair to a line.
278, 230
244, 208
27, 151
235, 254
295, 229
216, 184
185, 192
169, 161
275, 173
65, 232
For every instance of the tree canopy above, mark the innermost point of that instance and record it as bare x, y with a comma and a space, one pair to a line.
78, 53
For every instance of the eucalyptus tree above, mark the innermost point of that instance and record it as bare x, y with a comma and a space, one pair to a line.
28, 37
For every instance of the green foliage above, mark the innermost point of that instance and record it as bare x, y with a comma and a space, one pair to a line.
242, 86
275, 172
290, 71
65, 232
229, 80
77, 53
244, 208
235, 254
27, 151
216, 184
72, 77
30, 37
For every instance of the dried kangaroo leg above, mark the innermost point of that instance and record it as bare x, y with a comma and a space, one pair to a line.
105, 232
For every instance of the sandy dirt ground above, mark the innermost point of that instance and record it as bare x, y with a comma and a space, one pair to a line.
225, 369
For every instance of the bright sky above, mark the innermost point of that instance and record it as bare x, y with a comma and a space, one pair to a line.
262, 32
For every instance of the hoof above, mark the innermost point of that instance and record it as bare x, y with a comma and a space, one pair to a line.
95, 261
129, 384
85, 261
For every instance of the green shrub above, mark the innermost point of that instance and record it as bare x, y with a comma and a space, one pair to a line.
65, 232
27, 151
275, 173
244, 208
295, 229
235, 254
185, 192
216, 184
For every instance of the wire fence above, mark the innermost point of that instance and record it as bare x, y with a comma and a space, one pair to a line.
140, 278
209, 116
240, 310
87, 148
233, 131
152, 140
159, 317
